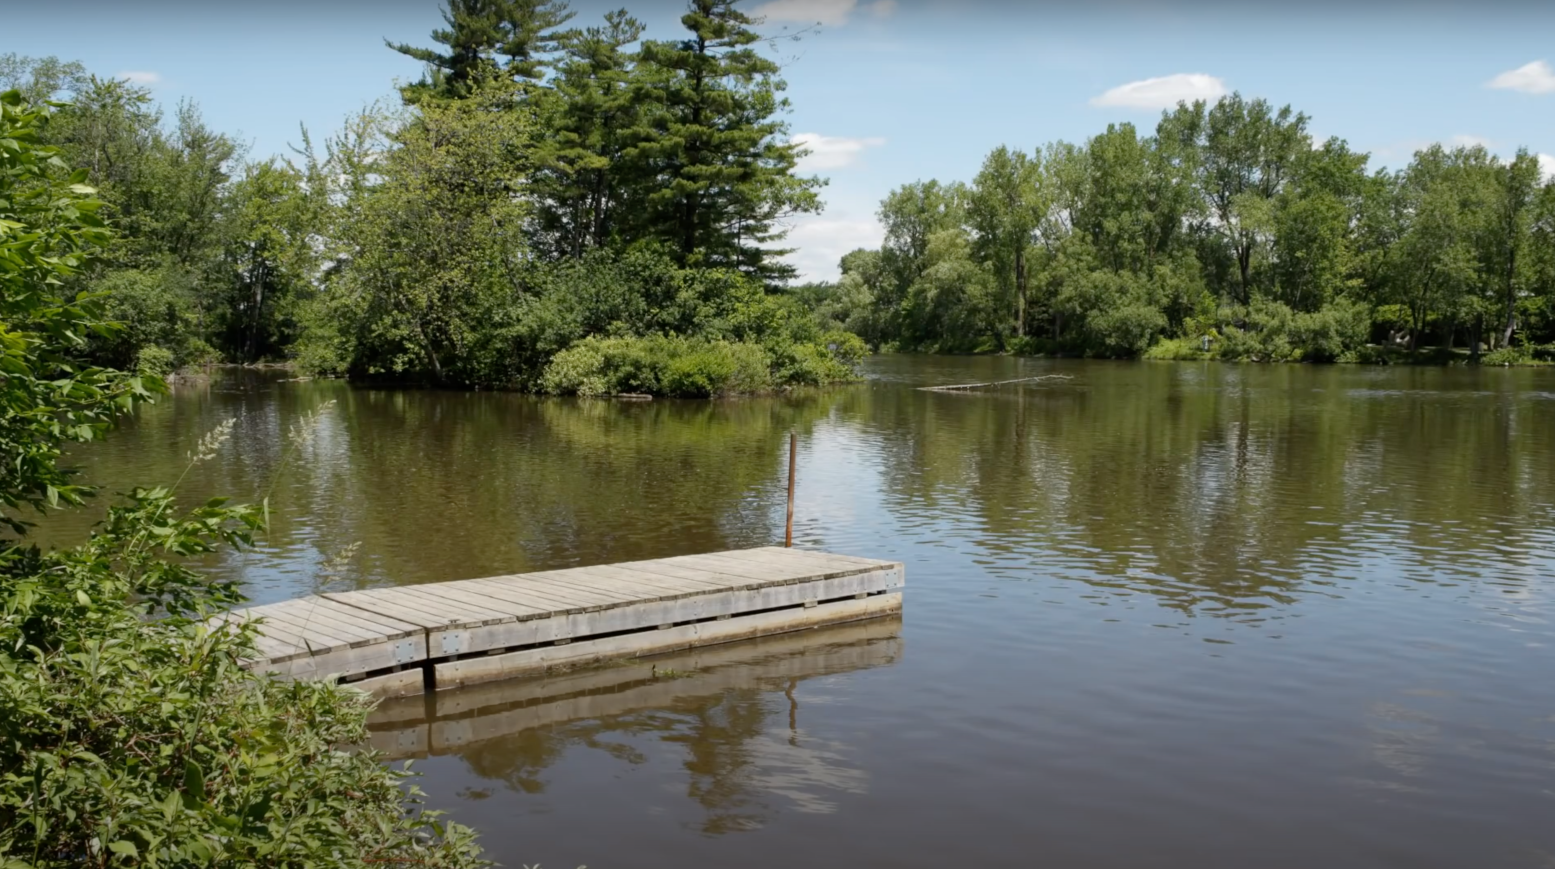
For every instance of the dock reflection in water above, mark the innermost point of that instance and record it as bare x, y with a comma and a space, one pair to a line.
734, 715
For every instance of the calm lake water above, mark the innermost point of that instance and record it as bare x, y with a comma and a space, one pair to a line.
1158, 615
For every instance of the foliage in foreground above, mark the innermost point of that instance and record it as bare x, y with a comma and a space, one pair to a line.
129, 732
131, 735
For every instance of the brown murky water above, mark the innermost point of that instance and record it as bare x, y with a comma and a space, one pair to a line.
1157, 615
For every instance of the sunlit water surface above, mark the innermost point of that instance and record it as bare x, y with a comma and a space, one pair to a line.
1158, 615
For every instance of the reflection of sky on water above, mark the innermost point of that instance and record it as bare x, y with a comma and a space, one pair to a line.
1161, 615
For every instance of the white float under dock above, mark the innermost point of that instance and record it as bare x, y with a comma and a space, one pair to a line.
403, 640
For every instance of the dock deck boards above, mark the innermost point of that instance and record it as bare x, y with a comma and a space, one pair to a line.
514, 622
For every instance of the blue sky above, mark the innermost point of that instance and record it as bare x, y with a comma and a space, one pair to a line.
891, 91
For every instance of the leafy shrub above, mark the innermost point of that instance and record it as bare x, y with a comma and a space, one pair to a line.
155, 361
133, 735
658, 365
196, 352
1033, 345
604, 323
716, 368
579, 370
1374, 354
1518, 354
1119, 312
845, 347
808, 365
1328, 333
1126, 330
1182, 349
153, 308
1272, 332
130, 733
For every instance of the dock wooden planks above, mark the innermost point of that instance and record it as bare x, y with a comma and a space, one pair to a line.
395, 640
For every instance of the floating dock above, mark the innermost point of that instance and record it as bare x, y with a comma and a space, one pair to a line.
404, 640
451, 722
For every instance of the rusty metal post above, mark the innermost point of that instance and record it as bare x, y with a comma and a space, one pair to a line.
793, 451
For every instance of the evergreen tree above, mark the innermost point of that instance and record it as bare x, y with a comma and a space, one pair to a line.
584, 183
486, 39
722, 166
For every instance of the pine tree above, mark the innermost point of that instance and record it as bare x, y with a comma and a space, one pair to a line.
584, 183
721, 163
486, 39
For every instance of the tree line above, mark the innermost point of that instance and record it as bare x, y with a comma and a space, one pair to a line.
587, 210
1228, 232
550, 207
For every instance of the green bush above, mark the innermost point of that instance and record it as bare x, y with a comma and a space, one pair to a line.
1519, 354
1182, 349
1125, 331
578, 370
195, 352
1270, 331
1328, 333
134, 736
155, 361
808, 365
845, 347
1374, 354
716, 368
154, 308
658, 365
1033, 345
130, 733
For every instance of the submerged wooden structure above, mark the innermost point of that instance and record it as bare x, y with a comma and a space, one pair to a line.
450, 722
404, 640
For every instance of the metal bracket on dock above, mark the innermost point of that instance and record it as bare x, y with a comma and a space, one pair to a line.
455, 642
406, 651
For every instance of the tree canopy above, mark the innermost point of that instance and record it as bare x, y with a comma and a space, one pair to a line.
1228, 233
424, 242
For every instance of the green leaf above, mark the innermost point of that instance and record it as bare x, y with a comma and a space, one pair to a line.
194, 780
82, 597
124, 848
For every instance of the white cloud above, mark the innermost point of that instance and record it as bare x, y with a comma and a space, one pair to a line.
1547, 166
831, 152
140, 76
1465, 141
1531, 78
1163, 92
819, 243
832, 12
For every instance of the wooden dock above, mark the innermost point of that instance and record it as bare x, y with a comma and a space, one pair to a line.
403, 640
451, 722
